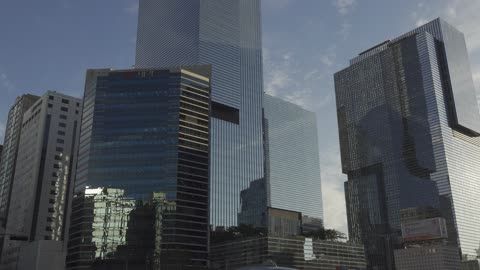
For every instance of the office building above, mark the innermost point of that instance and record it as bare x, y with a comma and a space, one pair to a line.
227, 36
409, 124
141, 188
427, 257
10, 149
40, 189
295, 252
293, 164
471, 264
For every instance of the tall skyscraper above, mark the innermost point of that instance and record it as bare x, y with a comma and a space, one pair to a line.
40, 189
227, 35
293, 166
409, 124
10, 149
141, 188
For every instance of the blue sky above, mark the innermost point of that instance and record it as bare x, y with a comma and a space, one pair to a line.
48, 45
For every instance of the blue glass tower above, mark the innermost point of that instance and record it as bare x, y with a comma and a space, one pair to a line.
293, 165
142, 179
409, 129
227, 36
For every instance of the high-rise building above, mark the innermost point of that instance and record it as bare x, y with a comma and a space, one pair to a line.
409, 125
227, 36
293, 165
141, 189
10, 149
40, 190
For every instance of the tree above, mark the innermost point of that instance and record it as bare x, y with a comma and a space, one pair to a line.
326, 234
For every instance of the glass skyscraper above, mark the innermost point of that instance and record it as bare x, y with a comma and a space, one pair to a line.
141, 189
227, 36
409, 130
293, 166
10, 149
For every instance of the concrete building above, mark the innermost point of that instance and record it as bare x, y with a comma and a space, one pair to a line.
40, 193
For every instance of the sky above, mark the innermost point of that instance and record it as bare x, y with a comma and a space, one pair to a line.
49, 44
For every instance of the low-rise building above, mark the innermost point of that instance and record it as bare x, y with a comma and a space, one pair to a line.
428, 257
293, 252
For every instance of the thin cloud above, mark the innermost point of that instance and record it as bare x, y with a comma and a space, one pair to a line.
344, 6
133, 8
286, 78
5, 84
332, 190
345, 29
463, 14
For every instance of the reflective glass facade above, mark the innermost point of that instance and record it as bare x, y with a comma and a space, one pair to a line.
408, 149
297, 253
293, 163
142, 180
227, 35
10, 149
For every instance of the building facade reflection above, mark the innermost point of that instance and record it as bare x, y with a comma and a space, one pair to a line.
141, 189
409, 126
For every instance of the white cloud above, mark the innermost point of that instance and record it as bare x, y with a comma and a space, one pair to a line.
344, 6
463, 14
286, 78
133, 8
278, 80
332, 189
421, 22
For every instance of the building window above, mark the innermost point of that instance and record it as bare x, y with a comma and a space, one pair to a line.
65, 101
60, 141
64, 117
57, 157
59, 149
64, 109
55, 174
62, 125
62, 133
56, 166
50, 105
51, 97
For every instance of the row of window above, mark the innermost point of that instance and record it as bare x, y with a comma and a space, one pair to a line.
64, 101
